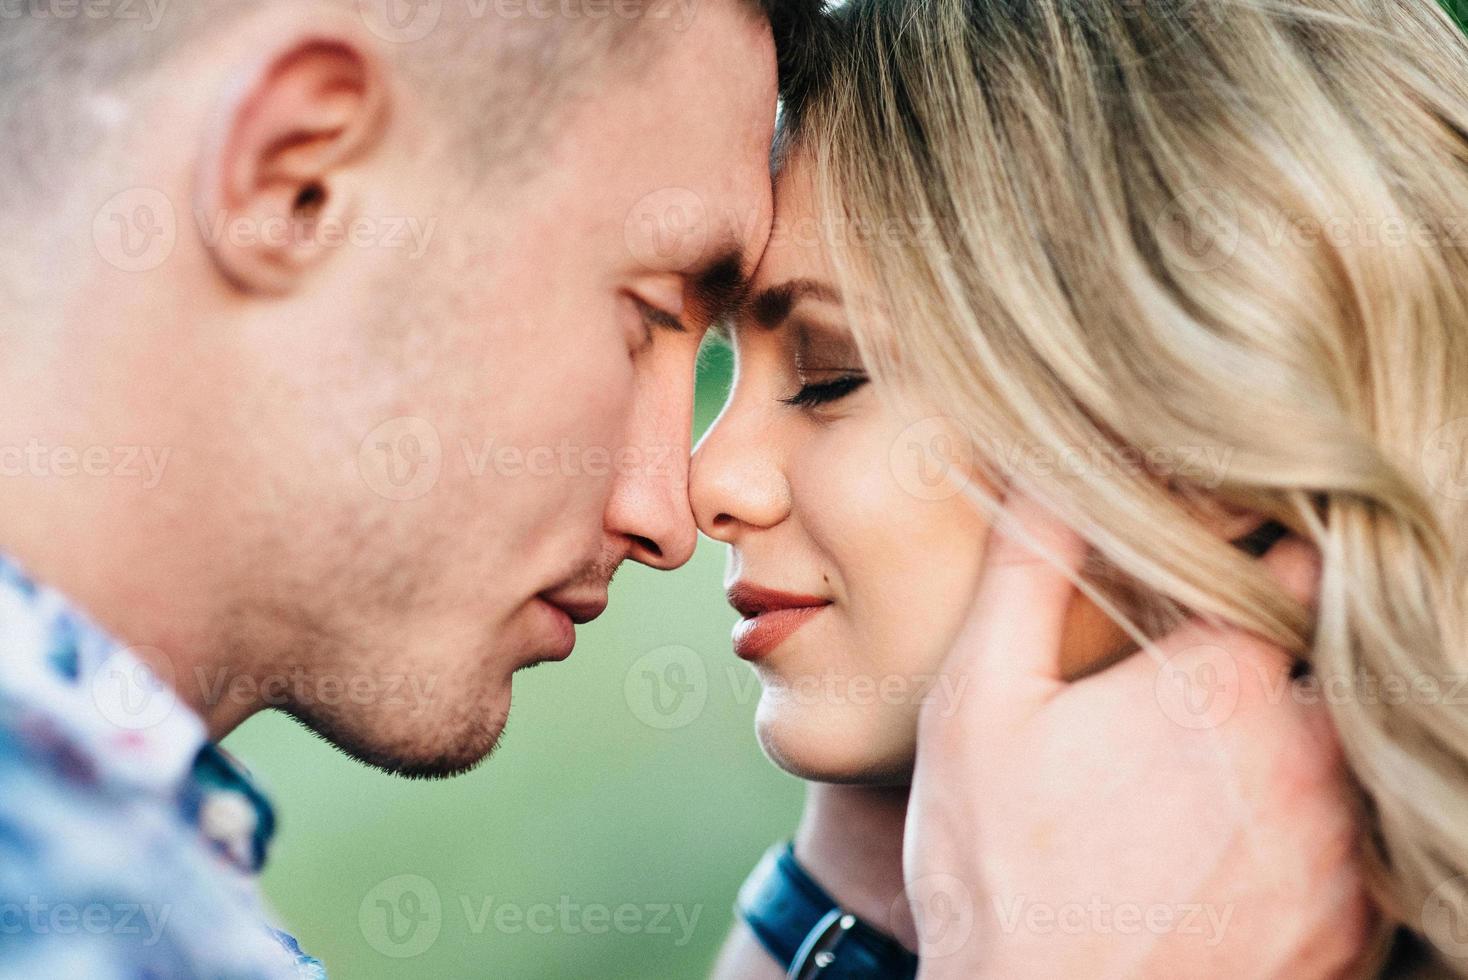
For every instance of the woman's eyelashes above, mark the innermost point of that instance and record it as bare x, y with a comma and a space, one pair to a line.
822, 359
817, 393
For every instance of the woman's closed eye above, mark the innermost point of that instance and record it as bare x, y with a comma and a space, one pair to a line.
824, 363
813, 394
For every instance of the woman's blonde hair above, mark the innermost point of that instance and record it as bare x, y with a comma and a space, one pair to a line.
1144, 229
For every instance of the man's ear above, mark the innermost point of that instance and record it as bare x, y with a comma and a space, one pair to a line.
274, 177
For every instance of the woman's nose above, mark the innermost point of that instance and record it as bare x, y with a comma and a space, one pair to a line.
737, 479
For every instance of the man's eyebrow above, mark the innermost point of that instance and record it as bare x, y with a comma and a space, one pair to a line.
720, 287
771, 307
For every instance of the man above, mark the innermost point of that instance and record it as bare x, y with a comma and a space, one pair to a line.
269, 267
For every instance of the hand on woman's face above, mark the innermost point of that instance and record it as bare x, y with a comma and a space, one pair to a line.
833, 496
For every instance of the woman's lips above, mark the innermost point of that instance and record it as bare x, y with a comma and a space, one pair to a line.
770, 617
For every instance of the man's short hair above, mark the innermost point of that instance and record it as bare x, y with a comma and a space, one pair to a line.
799, 42
64, 81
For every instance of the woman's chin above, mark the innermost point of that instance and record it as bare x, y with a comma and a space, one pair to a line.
867, 745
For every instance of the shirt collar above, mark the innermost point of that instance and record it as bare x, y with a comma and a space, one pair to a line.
135, 730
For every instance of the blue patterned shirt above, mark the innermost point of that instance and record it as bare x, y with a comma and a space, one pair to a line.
130, 844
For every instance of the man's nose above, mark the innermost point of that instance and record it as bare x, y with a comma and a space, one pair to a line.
650, 510
648, 507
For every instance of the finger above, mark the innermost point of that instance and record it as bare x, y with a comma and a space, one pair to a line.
1010, 644
1295, 564
1238, 667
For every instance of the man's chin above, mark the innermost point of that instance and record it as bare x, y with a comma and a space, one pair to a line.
445, 765
432, 748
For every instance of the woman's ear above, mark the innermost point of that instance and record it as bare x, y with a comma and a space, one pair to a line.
274, 177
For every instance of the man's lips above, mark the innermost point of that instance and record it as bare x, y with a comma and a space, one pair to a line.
770, 617
581, 609
563, 613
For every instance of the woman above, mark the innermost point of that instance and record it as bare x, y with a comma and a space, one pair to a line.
1190, 272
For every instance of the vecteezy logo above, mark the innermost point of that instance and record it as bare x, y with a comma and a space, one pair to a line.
1445, 460
131, 694
401, 917
400, 21
667, 688
1204, 224
943, 912
932, 458
1445, 919
668, 229
680, 11
136, 230
401, 459
1198, 687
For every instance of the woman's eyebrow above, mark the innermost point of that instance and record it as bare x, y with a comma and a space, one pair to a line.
771, 307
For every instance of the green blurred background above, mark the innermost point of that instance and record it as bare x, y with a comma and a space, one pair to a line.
629, 796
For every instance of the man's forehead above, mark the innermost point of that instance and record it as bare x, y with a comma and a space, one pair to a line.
735, 232
747, 218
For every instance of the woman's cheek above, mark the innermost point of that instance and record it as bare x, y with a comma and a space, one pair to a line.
903, 570
910, 558
906, 567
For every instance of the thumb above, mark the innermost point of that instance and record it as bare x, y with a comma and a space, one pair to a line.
1009, 647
